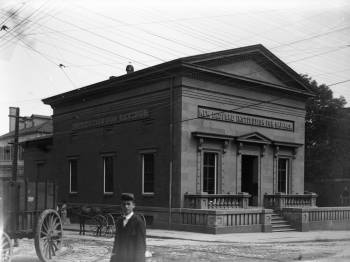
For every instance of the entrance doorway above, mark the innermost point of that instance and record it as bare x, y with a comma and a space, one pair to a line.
250, 177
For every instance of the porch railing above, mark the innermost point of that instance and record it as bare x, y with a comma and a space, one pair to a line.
216, 201
281, 200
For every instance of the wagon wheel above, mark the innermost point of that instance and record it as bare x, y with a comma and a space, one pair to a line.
98, 223
6, 248
110, 228
48, 235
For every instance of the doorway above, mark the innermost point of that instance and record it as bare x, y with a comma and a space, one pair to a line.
250, 177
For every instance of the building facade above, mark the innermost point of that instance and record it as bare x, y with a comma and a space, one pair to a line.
30, 127
197, 140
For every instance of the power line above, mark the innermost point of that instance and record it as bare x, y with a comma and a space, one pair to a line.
141, 29
48, 59
14, 13
27, 18
337, 83
109, 39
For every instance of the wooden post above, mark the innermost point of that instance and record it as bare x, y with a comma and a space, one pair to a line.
15, 143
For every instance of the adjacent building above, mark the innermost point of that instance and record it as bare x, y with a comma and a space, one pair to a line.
30, 127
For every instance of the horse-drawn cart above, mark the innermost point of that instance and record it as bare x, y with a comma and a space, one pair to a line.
28, 210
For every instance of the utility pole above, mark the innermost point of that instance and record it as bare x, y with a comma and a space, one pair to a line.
15, 110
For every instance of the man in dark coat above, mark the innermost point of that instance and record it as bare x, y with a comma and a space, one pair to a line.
130, 237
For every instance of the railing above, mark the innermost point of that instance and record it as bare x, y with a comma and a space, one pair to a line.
223, 220
280, 200
329, 213
217, 201
318, 218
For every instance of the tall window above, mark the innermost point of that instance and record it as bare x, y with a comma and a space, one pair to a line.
148, 173
210, 167
283, 175
108, 170
73, 176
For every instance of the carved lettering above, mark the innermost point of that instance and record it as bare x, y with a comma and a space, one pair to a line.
110, 120
245, 119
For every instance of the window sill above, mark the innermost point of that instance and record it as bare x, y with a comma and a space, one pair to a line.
108, 194
148, 194
73, 193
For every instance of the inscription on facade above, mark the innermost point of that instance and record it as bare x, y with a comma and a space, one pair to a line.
245, 119
110, 120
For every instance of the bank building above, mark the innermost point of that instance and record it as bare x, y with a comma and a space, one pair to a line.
209, 143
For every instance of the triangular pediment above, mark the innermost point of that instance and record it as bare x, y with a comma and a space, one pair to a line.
246, 68
254, 138
253, 62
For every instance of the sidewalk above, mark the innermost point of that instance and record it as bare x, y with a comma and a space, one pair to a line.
275, 237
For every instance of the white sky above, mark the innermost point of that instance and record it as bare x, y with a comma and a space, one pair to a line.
97, 39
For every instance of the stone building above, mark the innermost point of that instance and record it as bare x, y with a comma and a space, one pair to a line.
205, 143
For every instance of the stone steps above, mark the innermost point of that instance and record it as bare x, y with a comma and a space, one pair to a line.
279, 224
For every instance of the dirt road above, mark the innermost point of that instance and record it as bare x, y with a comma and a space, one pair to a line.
87, 248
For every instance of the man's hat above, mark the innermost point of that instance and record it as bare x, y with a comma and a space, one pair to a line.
127, 197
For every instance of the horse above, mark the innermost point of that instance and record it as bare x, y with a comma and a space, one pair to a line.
86, 213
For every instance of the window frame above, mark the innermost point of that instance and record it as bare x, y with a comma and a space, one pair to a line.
104, 157
142, 154
70, 160
216, 170
287, 174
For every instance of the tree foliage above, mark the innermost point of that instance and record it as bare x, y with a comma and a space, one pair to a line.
327, 133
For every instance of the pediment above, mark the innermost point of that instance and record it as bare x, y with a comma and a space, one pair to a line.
252, 62
254, 138
247, 68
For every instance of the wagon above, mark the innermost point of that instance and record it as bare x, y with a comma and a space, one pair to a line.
100, 222
28, 210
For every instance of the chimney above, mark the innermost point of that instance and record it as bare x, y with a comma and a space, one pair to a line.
12, 118
129, 69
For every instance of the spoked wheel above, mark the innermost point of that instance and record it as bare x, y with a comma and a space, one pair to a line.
6, 248
98, 223
110, 228
48, 235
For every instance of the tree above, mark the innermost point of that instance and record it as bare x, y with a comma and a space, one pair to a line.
326, 135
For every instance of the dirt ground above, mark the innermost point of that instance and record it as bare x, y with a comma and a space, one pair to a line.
87, 248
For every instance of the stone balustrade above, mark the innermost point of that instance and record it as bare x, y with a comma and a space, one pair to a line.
280, 200
218, 221
216, 201
318, 218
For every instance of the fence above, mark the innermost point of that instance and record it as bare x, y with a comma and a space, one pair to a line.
216, 201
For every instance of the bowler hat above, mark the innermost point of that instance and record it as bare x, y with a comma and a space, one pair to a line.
127, 197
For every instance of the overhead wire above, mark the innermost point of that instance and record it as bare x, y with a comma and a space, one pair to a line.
48, 59
109, 39
141, 29
263, 102
315, 55
21, 26
26, 18
13, 13
337, 83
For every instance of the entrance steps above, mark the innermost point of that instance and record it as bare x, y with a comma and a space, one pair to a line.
279, 224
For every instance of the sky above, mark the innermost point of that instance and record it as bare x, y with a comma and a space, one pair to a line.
49, 47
